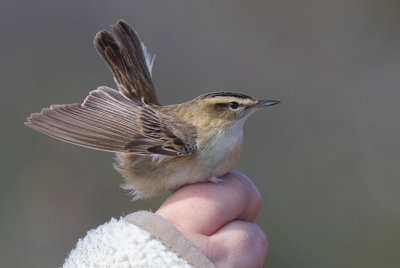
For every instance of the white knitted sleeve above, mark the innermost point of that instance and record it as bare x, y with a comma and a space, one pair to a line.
121, 244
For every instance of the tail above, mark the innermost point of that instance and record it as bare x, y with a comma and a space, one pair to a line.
129, 62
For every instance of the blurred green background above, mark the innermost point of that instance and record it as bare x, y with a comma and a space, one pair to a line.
327, 160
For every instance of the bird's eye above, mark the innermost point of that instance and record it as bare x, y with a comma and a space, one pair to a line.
234, 105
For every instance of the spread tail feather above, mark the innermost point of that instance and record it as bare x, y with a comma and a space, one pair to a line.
129, 62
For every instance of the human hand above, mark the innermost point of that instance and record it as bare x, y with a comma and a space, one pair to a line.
218, 219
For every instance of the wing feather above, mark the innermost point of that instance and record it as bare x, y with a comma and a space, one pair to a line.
109, 121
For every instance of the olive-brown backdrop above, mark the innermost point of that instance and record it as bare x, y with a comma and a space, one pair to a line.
327, 160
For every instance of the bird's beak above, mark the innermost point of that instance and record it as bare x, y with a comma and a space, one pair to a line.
265, 103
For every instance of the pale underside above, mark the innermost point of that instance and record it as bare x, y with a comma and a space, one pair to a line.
146, 177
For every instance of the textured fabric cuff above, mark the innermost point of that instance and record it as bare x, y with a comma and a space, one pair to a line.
165, 232
119, 243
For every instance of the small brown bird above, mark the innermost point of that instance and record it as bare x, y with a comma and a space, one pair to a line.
159, 148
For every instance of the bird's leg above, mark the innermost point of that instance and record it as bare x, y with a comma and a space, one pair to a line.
215, 179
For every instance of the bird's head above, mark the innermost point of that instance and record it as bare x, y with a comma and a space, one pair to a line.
227, 106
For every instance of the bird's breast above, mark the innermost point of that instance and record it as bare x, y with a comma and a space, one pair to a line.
223, 151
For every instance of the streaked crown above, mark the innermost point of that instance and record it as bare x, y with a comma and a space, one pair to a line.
231, 106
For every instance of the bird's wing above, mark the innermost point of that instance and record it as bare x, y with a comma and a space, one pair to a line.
129, 62
109, 121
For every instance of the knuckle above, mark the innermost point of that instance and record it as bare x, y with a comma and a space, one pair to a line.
257, 200
260, 236
247, 188
252, 238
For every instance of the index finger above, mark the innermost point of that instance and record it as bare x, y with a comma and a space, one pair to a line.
204, 208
